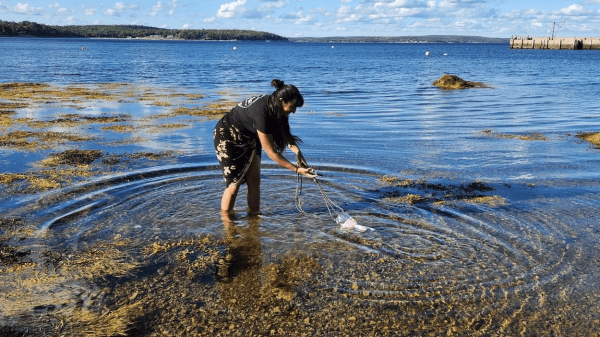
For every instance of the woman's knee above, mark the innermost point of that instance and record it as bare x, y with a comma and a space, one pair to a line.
232, 189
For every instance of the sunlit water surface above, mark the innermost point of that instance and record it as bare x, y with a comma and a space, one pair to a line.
370, 112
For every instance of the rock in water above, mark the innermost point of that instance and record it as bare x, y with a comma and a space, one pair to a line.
455, 82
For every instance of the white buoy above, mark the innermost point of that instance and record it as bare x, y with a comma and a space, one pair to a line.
332, 47
445, 54
427, 53
234, 48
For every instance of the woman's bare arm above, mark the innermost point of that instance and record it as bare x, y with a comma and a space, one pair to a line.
268, 145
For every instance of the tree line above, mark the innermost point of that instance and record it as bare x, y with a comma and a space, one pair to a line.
27, 28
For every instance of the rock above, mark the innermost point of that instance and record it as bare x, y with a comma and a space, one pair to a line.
455, 82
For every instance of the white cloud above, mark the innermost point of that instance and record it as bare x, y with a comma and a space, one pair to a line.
159, 6
302, 19
384, 12
298, 18
185, 26
574, 10
231, 9
118, 9
162, 6
344, 9
26, 9
90, 11
464, 23
209, 20
318, 9
54, 5
272, 6
263, 11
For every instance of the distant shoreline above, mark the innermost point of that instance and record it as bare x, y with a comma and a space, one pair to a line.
394, 40
137, 32
403, 39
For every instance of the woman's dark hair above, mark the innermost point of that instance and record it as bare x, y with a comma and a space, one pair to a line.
289, 94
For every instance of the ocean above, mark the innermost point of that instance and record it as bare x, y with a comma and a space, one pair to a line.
484, 202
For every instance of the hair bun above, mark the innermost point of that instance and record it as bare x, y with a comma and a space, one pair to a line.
278, 84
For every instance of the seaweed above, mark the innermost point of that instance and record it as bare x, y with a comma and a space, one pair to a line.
591, 137
447, 81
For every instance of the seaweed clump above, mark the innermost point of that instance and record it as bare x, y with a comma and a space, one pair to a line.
440, 194
455, 82
591, 137
73, 157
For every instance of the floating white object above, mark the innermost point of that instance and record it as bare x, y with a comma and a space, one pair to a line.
234, 48
427, 53
332, 47
346, 223
445, 54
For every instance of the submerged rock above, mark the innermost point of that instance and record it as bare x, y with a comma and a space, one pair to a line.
455, 82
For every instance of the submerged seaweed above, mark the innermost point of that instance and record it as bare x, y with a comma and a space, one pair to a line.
532, 136
439, 193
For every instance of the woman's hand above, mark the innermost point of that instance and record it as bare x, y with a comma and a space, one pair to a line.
307, 171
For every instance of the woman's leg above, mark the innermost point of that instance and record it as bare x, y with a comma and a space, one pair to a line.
253, 181
228, 199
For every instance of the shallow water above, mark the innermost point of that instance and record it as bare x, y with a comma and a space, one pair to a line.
371, 112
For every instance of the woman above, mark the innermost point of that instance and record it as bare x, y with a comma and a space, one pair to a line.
257, 123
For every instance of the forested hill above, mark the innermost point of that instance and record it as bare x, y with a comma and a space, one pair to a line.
27, 28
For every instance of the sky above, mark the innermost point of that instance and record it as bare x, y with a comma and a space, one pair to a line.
322, 18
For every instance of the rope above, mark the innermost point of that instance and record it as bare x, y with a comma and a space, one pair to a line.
333, 209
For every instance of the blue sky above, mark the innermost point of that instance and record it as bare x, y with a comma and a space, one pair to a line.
298, 18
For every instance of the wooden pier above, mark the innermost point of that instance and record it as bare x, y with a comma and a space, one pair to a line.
571, 43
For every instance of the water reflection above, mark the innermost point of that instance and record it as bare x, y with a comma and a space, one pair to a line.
239, 269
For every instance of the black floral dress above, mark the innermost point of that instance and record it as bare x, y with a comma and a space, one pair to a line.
235, 150
236, 136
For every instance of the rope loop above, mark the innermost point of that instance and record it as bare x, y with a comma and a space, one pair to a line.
333, 209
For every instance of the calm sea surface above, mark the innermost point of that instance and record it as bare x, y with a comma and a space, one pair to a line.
370, 112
